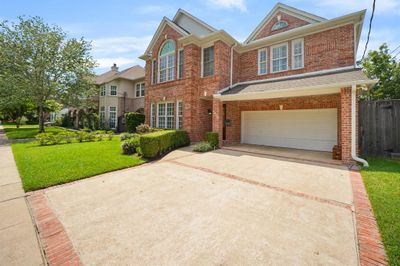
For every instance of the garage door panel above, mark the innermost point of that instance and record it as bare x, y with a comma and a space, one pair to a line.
314, 129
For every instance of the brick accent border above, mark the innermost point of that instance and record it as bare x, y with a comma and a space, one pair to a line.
57, 246
369, 240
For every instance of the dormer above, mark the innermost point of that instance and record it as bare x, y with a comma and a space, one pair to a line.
282, 18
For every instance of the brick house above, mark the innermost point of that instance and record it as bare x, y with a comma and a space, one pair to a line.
292, 83
120, 92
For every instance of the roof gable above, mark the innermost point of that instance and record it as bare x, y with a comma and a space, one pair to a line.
300, 18
132, 73
192, 24
165, 21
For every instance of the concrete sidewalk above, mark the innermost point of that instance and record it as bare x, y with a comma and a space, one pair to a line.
18, 242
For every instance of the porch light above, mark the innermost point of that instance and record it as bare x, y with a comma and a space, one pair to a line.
280, 107
209, 112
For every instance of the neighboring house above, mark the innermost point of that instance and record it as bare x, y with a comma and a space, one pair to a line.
289, 84
120, 92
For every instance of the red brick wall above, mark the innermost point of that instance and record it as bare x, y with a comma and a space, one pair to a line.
234, 109
292, 21
324, 50
345, 100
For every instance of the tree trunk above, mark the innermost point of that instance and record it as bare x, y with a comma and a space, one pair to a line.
18, 122
41, 119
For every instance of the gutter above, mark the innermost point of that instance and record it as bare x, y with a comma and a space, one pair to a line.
353, 128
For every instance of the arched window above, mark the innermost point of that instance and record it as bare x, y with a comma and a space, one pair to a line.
167, 61
279, 25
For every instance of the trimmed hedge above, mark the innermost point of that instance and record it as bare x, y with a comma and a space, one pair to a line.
132, 120
212, 138
158, 143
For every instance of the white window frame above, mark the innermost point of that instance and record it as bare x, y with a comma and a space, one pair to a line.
264, 62
140, 87
301, 40
202, 59
116, 90
116, 116
103, 90
178, 64
179, 117
272, 57
102, 113
166, 116
153, 116
173, 53
153, 71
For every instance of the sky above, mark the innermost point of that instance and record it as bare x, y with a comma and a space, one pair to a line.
120, 30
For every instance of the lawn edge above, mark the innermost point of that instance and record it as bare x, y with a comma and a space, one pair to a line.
370, 245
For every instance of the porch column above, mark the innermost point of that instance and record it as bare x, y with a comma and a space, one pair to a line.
345, 127
217, 117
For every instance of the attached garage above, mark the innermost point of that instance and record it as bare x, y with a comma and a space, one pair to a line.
309, 129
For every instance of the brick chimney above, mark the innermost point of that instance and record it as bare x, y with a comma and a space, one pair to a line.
114, 67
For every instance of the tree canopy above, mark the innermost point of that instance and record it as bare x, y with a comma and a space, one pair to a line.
40, 63
381, 65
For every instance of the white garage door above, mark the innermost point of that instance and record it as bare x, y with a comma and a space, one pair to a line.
314, 129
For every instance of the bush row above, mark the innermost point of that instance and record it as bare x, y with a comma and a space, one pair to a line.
69, 136
212, 142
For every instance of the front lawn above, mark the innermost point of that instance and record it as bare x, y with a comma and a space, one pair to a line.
382, 181
44, 166
27, 131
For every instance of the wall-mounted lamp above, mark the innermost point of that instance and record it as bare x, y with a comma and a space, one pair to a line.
209, 111
163, 98
280, 107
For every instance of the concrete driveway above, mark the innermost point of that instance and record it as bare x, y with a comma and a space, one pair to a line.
217, 208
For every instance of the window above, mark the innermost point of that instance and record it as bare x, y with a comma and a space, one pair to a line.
102, 90
153, 72
180, 64
279, 58
179, 115
102, 115
167, 62
279, 25
153, 111
262, 61
112, 117
139, 90
208, 61
298, 54
113, 90
166, 115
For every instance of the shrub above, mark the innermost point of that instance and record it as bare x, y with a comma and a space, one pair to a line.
110, 135
44, 138
125, 136
81, 136
132, 120
69, 136
212, 138
91, 136
157, 143
130, 146
202, 147
143, 128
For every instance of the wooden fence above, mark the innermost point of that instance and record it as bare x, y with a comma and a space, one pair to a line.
379, 127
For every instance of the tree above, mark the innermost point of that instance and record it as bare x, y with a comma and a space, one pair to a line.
380, 64
43, 63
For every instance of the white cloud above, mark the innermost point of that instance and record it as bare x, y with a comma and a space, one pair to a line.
120, 61
378, 37
239, 4
120, 44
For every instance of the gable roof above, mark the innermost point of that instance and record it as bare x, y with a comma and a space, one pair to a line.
132, 73
279, 7
182, 13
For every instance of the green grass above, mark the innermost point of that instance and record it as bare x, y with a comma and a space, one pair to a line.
27, 131
382, 181
45, 166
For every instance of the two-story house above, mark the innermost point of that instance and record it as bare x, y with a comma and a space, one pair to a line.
292, 83
120, 92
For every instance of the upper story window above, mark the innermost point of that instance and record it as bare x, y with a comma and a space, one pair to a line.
113, 90
297, 54
167, 62
102, 90
262, 61
279, 58
180, 64
208, 61
153, 71
139, 90
279, 25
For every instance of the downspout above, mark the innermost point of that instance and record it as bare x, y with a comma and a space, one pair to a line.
353, 127
231, 74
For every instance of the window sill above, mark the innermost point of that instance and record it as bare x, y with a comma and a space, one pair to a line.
272, 72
